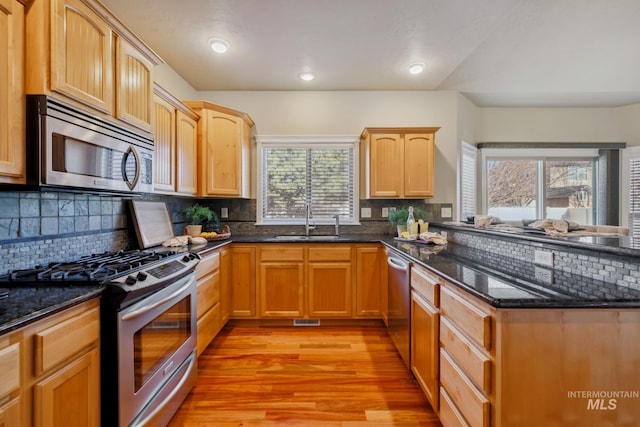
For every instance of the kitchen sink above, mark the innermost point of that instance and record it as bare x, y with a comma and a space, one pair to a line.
307, 238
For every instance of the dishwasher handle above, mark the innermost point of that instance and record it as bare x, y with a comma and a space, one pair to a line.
398, 264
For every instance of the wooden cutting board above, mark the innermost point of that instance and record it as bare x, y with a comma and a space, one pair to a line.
152, 222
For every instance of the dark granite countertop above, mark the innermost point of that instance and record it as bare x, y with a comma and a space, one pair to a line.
513, 284
26, 304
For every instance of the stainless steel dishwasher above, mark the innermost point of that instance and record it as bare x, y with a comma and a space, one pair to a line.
399, 304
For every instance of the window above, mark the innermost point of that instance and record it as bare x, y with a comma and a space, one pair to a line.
467, 181
529, 184
633, 191
317, 172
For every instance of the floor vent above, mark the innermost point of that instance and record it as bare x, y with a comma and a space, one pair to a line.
306, 322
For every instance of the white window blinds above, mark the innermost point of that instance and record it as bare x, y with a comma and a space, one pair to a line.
468, 183
634, 198
321, 175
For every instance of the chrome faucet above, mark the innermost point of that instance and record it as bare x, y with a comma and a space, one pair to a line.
337, 217
307, 217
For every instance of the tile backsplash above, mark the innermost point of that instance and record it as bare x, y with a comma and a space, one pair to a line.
37, 228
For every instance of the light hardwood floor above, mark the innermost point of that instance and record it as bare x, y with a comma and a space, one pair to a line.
304, 376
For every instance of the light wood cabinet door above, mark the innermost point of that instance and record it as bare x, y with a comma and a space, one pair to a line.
370, 282
281, 289
82, 55
12, 139
387, 159
330, 287
164, 149
10, 413
134, 83
223, 146
186, 152
425, 347
243, 281
418, 165
225, 286
70, 397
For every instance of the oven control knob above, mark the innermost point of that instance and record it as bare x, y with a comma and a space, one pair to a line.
130, 280
141, 276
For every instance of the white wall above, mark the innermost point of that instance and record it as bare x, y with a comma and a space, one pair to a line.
348, 112
549, 125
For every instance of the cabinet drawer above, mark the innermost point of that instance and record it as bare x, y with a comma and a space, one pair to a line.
282, 253
208, 327
208, 264
10, 372
472, 360
330, 253
61, 341
470, 402
471, 319
426, 284
449, 414
208, 293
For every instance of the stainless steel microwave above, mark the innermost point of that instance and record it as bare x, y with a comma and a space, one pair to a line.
67, 147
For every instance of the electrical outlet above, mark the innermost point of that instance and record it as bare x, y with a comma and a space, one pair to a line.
543, 258
445, 212
224, 213
443, 234
385, 212
543, 274
365, 212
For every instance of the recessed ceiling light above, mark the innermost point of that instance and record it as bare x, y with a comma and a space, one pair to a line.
307, 76
218, 45
416, 67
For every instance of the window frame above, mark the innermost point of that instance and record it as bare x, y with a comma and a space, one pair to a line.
540, 155
306, 141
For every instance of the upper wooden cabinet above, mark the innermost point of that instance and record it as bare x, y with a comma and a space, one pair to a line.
175, 134
224, 150
12, 140
397, 162
80, 51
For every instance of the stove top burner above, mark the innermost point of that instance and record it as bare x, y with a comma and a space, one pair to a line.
90, 268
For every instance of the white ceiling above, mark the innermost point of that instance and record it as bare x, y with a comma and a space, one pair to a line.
495, 52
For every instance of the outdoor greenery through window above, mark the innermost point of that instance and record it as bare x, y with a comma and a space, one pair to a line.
321, 175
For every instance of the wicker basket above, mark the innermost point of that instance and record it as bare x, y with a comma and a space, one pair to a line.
224, 233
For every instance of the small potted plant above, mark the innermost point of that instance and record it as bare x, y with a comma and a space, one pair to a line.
198, 216
399, 217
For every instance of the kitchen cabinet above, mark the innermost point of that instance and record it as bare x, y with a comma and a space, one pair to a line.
465, 359
371, 281
175, 130
281, 280
397, 162
51, 370
10, 380
224, 150
82, 54
243, 281
12, 105
209, 320
330, 281
425, 332
225, 285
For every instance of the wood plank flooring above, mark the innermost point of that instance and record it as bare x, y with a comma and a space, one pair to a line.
304, 376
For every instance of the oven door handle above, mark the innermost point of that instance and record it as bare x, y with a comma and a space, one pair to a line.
166, 400
145, 309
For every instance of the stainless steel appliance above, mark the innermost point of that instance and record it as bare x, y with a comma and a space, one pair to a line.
399, 304
148, 328
67, 147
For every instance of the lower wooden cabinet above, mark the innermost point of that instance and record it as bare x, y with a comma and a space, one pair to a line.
281, 281
243, 281
371, 281
330, 281
50, 372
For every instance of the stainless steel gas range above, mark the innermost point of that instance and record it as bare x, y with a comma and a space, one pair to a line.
148, 328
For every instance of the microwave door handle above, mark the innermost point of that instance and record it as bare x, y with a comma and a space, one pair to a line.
145, 309
138, 165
